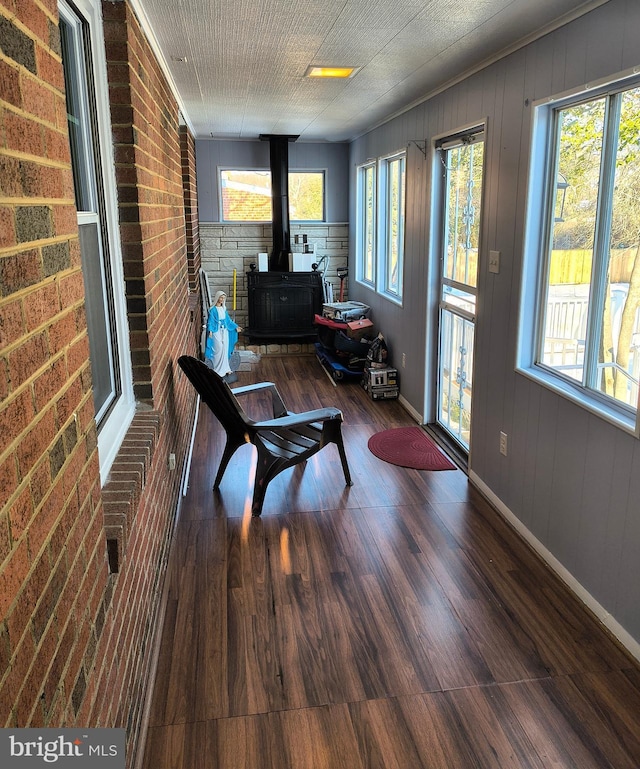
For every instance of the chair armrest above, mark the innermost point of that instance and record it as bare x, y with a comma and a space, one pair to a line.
278, 407
293, 420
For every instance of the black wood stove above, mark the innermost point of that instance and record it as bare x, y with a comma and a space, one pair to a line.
282, 304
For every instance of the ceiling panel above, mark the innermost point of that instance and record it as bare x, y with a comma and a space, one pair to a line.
244, 61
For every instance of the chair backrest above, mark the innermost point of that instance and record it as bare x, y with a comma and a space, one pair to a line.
215, 392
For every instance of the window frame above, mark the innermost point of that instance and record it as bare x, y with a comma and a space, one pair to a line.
538, 240
387, 178
267, 171
366, 224
97, 154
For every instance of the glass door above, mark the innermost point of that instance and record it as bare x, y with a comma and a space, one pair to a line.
462, 160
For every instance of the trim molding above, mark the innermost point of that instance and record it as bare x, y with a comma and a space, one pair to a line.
612, 625
161, 611
410, 410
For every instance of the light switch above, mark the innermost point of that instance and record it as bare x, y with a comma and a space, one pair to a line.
494, 261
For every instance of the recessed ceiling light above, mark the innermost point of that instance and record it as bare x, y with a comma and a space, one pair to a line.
343, 72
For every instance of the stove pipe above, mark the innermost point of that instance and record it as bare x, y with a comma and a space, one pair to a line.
279, 164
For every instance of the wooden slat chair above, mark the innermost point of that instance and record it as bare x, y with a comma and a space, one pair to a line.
284, 441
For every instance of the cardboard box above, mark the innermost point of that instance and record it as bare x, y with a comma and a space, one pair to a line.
381, 377
356, 329
384, 393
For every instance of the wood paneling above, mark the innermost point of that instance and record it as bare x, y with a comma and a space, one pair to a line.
399, 622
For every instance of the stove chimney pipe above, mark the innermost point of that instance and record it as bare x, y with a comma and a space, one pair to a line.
279, 164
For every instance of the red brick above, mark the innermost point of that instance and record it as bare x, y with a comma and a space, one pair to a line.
38, 100
11, 323
41, 305
40, 480
25, 360
35, 442
5, 539
8, 479
71, 289
78, 355
49, 383
44, 519
23, 134
10, 79
18, 271
62, 332
23, 655
14, 418
56, 144
71, 474
49, 68
7, 227
65, 218
74, 253
68, 534
68, 402
51, 6
20, 513
40, 181
10, 182
12, 576
32, 16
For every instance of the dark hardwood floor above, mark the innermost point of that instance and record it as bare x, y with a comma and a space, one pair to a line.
395, 624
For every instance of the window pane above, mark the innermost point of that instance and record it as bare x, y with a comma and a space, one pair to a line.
456, 375
70, 39
100, 335
575, 205
464, 194
619, 348
306, 196
246, 196
94, 246
368, 204
395, 224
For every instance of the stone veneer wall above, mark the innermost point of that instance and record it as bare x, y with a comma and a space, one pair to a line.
225, 247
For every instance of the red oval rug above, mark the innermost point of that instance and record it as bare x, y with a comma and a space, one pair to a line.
409, 447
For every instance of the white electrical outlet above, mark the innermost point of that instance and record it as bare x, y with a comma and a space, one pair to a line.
503, 443
494, 261
404, 359
172, 461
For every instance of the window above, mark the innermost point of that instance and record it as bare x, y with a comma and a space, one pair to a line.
380, 224
87, 119
366, 225
393, 258
588, 332
245, 196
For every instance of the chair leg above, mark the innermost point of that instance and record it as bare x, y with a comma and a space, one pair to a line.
343, 459
229, 450
267, 467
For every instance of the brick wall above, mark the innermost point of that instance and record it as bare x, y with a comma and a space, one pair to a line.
188, 148
75, 639
53, 572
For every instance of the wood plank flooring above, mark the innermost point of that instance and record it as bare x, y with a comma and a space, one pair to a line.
395, 624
